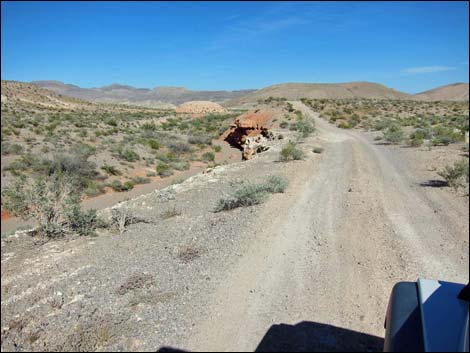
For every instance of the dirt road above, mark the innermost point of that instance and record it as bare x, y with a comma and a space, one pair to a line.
354, 225
310, 269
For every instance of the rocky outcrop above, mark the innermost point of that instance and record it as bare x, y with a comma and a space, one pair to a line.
250, 133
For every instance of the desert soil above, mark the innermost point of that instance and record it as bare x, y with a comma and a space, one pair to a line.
318, 261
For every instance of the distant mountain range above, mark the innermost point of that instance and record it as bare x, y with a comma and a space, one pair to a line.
156, 97
170, 96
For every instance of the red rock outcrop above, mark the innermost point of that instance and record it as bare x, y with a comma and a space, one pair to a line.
249, 132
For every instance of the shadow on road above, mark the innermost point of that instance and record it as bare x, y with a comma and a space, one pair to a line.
313, 337
434, 184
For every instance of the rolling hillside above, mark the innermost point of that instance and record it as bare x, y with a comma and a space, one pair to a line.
453, 92
295, 91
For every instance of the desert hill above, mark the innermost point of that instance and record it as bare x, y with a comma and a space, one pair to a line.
295, 91
27, 94
452, 92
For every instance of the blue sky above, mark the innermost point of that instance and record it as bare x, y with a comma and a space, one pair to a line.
410, 46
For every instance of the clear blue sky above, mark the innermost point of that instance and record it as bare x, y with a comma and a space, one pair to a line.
410, 46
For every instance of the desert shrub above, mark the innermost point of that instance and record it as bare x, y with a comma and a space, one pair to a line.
148, 127
418, 136
208, 157
178, 147
112, 170
317, 150
111, 122
121, 218
456, 175
275, 184
445, 136
291, 152
305, 127
164, 169
94, 189
422, 134
25, 162
284, 124
11, 148
217, 149
140, 180
252, 194
416, 141
83, 223
117, 185
344, 125
167, 157
154, 144
82, 150
200, 140
382, 124
129, 155
356, 119
246, 195
53, 202
180, 165
71, 164
394, 134
45, 149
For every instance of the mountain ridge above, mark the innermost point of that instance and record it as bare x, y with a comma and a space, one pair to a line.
119, 93
174, 95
